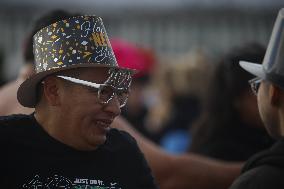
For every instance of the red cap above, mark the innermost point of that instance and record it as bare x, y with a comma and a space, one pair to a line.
132, 57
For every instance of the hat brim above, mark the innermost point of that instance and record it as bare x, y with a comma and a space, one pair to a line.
27, 92
253, 68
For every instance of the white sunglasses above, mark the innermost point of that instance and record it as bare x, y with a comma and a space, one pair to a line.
105, 92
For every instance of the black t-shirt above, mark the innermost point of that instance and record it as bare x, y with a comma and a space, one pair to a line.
30, 158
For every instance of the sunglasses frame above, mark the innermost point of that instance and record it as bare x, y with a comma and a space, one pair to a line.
99, 88
255, 84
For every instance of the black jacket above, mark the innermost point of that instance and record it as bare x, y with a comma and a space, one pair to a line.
265, 170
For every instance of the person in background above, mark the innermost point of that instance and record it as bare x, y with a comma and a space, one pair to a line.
265, 170
231, 111
181, 84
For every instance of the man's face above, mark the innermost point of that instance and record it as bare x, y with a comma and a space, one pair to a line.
268, 113
86, 119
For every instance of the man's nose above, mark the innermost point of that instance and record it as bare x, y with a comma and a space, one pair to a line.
113, 106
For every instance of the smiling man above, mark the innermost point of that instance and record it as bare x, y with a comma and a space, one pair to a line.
77, 92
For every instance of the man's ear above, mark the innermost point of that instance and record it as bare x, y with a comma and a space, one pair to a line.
50, 91
275, 95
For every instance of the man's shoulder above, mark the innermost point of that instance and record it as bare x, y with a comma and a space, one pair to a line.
120, 140
116, 135
13, 129
261, 177
14, 119
12, 122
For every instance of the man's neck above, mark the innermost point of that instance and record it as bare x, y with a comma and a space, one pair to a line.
48, 123
56, 127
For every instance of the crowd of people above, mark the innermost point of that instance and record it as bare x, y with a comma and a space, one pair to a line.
89, 111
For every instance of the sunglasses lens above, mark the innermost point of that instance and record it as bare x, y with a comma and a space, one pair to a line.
255, 84
106, 93
122, 96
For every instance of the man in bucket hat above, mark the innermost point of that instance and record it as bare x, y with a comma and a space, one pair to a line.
77, 91
266, 170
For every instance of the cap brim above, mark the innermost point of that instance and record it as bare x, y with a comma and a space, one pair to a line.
27, 92
253, 68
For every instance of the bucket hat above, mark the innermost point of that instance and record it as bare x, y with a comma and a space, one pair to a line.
76, 42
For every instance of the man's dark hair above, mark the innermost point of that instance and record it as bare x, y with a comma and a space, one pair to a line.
43, 21
229, 83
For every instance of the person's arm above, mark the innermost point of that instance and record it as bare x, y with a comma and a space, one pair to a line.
8, 93
182, 171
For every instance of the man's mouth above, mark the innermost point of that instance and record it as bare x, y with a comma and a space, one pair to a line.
104, 123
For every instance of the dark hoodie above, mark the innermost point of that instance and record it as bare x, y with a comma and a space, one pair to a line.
265, 170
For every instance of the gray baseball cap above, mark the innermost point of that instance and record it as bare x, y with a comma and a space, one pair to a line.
272, 67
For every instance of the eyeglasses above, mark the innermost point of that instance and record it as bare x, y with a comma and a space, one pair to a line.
255, 84
105, 92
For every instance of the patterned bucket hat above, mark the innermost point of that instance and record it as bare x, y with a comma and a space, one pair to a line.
79, 41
